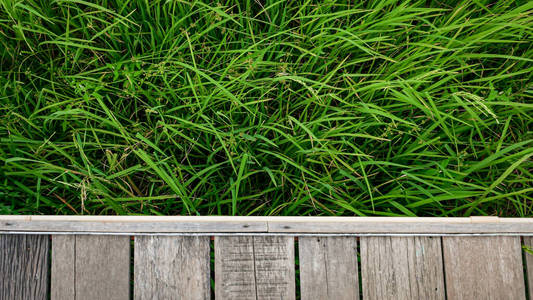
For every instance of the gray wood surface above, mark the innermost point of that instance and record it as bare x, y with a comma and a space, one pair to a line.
133, 227
297, 225
63, 267
234, 268
172, 267
259, 267
24, 266
528, 242
274, 267
483, 267
402, 268
102, 267
396, 227
328, 268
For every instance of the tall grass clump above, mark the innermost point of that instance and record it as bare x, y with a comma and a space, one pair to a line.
264, 107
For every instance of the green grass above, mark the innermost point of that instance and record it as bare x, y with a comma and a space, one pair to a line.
391, 108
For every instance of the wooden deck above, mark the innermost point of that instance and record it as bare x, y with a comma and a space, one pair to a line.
49, 257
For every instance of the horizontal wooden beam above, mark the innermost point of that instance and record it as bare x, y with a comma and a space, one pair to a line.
476, 225
130, 224
281, 225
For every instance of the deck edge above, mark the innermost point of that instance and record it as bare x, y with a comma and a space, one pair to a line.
251, 224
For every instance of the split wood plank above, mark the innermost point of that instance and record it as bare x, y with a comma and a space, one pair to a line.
254, 267
528, 241
101, 267
402, 268
172, 267
328, 268
483, 267
24, 266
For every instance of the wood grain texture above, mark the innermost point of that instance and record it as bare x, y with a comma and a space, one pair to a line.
371, 227
63, 267
402, 268
172, 267
24, 266
222, 224
528, 241
260, 267
234, 268
328, 268
132, 224
274, 267
102, 267
483, 267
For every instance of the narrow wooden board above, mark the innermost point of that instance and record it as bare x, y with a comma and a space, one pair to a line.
328, 268
370, 226
24, 266
483, 267
172, 267
259, 267
402, 268
102, 267
63, 285
290, 225
135, 225
528, 241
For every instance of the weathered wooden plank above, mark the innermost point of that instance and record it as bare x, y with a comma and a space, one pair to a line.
483, 267
328, 268
171, 267
24, 266
402, 268
102, 267
118, 224
259, 267
221, 224
90, 267
528, 241
273, 227
63, 267
274, 267
234, 268
370, 225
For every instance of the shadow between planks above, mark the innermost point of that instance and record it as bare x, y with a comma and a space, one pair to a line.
264, 267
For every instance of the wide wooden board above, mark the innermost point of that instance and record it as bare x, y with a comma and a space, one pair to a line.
254, 267
402, 268
328, 268
100, 264
483, 267
102, 267
24, 266
171, 267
